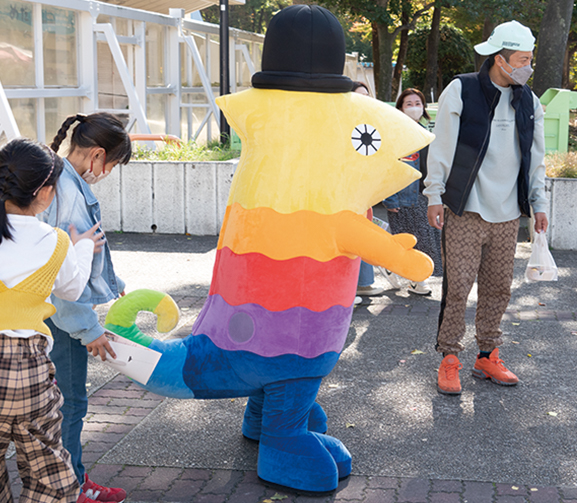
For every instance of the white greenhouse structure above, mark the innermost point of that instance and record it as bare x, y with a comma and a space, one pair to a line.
159, 72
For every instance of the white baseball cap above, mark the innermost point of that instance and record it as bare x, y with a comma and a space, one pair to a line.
511, 35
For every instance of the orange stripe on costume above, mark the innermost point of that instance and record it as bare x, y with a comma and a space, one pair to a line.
283, 236
321, 237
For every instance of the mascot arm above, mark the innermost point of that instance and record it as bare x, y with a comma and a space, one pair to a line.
359, 236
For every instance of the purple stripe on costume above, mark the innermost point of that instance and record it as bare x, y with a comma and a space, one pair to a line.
250, 327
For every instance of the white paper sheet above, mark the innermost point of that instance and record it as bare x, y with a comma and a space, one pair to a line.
137, 362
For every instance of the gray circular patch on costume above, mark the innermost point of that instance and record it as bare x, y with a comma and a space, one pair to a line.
240, 327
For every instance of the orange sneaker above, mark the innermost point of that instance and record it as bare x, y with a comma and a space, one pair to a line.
448, 381
494, 369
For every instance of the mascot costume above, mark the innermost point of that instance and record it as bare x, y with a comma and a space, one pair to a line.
315, 157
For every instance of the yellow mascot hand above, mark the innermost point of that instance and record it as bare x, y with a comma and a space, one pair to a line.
358, 236
407, 241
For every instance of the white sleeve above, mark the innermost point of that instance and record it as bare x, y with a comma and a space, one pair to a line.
537, 197
75, 271
442, 150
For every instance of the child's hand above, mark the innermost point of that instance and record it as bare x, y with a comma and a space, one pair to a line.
98, 239
100, 347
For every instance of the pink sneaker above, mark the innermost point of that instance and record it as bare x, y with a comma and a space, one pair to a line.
94, 492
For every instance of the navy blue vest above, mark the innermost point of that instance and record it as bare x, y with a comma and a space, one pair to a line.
480, 98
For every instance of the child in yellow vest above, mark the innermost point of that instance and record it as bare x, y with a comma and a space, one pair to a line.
35, 261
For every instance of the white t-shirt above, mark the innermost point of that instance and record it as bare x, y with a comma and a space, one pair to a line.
32, 246
494, 193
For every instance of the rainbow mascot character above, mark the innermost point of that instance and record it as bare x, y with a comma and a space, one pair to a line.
315, 157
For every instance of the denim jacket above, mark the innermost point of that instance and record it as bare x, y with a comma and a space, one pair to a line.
409, 195
76, 204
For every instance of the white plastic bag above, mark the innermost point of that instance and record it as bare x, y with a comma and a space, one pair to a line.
541, 266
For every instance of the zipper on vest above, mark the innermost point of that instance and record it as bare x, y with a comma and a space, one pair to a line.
477, 165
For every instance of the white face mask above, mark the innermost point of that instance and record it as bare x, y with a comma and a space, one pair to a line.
414, 113
519, 75
90, 178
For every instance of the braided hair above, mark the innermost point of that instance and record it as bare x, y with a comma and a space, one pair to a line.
100, 129
25, 167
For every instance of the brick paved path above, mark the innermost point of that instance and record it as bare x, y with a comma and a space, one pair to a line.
118, 406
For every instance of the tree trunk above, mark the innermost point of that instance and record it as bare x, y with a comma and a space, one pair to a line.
488, 27
430, 90
403, 46
553, 35
261, 22
569, 53
385, 80
376, 59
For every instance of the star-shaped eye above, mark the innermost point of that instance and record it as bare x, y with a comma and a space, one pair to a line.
366, 139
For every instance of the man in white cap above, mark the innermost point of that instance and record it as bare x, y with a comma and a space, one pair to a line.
485, 170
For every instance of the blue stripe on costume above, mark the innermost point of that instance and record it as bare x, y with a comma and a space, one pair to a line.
195, 368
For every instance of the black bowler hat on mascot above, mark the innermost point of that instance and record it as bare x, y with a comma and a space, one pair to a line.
304, 50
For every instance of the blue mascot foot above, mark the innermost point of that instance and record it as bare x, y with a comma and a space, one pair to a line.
308, 462
252, 422
339, 452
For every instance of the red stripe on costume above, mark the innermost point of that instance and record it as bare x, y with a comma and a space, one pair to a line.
277, 285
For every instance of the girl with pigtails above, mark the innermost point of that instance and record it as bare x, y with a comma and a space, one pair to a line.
35, 261
98, 142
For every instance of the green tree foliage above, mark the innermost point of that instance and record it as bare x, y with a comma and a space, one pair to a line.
358, 36
455, 56
254, 16
476, 16
385, 17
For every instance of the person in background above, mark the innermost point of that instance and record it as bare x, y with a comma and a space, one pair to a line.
486, 169
408, 208
366, 273
98, 142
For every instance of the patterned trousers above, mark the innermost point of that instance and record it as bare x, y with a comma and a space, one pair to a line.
473, 248
30, 416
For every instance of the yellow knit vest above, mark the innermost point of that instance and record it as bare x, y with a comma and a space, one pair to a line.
24, 306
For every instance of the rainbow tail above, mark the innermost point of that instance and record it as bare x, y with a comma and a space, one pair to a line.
166, 380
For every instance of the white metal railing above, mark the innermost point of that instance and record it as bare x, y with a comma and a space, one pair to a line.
136, 109
114, 45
